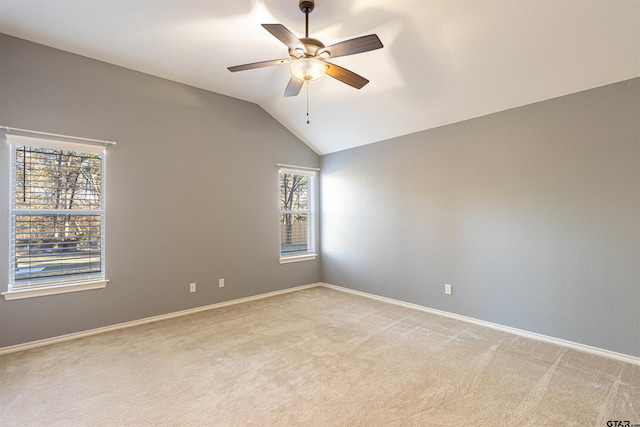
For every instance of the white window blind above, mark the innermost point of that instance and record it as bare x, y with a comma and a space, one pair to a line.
57, 212
297, 212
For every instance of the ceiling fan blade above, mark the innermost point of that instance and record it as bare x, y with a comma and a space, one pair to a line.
353, 46
259, 64
346, 76
294, 86
280, 32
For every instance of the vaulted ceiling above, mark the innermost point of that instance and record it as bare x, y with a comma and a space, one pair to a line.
443, 61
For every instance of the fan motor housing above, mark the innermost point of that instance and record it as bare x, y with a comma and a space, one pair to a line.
312, 46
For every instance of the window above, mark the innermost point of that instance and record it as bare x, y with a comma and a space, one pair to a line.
297, 214
57, 216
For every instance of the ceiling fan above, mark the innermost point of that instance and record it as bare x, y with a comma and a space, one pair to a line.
308, 56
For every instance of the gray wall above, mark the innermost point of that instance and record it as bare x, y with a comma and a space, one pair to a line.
532, 214
192, 190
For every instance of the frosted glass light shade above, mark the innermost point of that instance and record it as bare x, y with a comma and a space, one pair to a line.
307, 69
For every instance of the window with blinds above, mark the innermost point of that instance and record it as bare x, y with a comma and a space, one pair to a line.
57, 213
297, 210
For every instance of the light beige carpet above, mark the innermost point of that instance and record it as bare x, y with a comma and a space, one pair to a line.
316, 357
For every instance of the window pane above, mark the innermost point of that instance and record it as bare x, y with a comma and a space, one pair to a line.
57, 179
294, 192
57, 245
293, 233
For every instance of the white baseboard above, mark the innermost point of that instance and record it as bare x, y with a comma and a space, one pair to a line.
573, 345
68, 337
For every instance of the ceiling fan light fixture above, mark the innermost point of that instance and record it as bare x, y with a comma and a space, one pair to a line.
307, 69
308, 57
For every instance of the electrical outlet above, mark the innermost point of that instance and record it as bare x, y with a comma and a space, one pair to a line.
192, 287
221, 283
447, 289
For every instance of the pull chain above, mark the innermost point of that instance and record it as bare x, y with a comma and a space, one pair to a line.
308, 102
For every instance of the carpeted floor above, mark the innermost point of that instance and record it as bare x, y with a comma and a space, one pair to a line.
316, 357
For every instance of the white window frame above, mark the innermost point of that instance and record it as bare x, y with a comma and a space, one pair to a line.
310, 253
28, 288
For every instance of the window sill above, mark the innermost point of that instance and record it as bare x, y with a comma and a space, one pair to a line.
297, 258
53, 290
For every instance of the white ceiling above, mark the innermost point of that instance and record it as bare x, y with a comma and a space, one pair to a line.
444, 60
